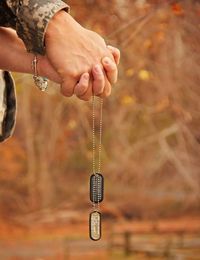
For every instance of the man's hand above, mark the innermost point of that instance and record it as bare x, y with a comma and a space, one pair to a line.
74, 51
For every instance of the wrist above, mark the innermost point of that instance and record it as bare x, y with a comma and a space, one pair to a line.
60, 19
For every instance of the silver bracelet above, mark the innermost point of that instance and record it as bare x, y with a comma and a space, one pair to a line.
40, 82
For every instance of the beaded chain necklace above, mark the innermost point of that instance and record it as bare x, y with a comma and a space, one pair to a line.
96, 179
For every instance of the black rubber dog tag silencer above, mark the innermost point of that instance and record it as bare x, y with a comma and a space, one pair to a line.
96, 188
95, 225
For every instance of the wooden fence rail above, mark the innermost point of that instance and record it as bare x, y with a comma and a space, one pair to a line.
160, 244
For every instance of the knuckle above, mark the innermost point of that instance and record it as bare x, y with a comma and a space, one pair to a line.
84, 98
66, 92
73, 74
108, 92
80, 92
99, 38
101, 96
100, 92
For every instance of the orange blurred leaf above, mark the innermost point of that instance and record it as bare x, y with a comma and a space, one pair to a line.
147, 44
177, 9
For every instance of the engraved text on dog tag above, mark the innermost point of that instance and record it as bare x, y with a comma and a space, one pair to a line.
96, 187
95, 225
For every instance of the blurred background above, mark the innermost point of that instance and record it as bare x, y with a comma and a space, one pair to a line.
151, 146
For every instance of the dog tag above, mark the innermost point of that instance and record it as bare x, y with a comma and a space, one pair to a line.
96, 188
95, 225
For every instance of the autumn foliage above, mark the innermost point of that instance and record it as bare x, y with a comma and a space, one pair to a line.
151, 125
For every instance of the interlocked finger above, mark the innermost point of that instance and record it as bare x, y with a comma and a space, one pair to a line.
82, 86
111, 69
98, 80
115, 52
67, 87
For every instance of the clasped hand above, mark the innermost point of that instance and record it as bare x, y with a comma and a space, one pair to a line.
84, 63
76, 58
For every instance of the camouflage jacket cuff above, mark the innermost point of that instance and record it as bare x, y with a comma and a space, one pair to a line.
32, 20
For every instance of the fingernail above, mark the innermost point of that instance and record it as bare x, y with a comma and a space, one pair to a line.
97, 68
107, 61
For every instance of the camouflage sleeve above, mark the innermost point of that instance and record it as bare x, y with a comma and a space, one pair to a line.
30, 19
